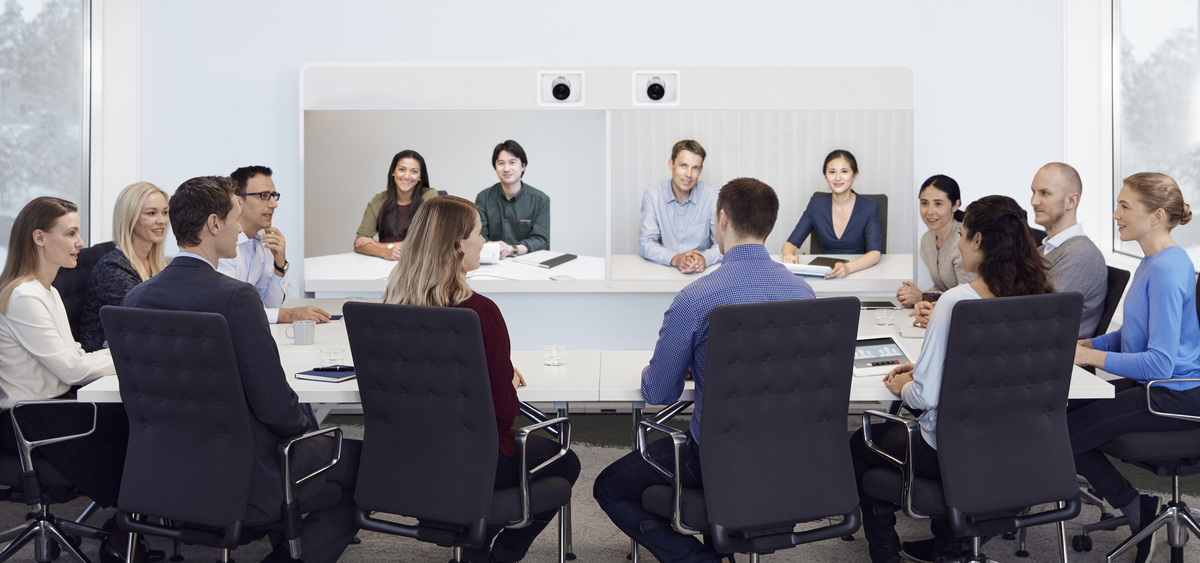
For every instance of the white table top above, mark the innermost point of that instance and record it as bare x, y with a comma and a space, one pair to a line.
353, 272
621, 371
359, 273
589, 375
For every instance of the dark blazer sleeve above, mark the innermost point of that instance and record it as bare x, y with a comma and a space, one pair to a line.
270, 397
111, 280
803, 227
872, 232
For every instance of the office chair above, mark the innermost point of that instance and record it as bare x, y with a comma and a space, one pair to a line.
1039, 236
191, 449
1002, 434
774, 451
431, 440
34, 482
814, 245
72, 283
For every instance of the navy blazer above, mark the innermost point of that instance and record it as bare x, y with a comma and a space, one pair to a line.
188, 284
862, 232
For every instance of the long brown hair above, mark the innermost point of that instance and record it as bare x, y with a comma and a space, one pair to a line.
1011, 265
22, 264
387, 219
430, 271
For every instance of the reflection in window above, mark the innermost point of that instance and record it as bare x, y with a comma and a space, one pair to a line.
43, 106
1157, 96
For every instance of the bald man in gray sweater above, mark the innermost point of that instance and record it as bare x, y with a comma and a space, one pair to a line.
1075, 262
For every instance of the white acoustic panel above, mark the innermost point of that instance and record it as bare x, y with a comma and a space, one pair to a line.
784, 148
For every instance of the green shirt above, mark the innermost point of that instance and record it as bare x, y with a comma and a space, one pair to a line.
524, 219
370, 221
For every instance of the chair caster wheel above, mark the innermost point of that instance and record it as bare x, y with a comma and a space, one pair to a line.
1081, 543
629, 556
1106, 516
355, 540
848, 538
1022, 553
1009, 536
569, 557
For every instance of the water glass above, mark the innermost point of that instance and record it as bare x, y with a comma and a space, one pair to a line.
885, 317
554, 355
332, 356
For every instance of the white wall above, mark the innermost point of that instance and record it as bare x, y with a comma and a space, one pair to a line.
219, 81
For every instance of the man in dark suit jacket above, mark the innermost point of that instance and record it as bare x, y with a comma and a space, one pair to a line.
204, 219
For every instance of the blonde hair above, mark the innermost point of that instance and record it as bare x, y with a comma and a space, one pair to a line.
1159, 191
430, 271
125, 217
41, 214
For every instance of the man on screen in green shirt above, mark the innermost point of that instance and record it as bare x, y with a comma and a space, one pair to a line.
513, 213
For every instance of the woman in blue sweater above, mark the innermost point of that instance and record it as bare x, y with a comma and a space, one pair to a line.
1159, 339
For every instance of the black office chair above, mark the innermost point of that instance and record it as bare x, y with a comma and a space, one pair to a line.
814, 245
36, 483
774, 450
430, 442
1039, 236
1002, 434
72, 283
1117, 280
191, 445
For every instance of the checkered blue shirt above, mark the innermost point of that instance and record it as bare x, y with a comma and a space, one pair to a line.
747, 275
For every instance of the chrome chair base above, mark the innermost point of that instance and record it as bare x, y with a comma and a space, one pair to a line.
1177, 516
46, 531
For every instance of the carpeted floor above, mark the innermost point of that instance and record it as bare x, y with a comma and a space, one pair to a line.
595, 539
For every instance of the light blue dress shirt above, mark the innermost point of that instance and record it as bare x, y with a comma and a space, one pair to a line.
669, 227
749, 275
255, 265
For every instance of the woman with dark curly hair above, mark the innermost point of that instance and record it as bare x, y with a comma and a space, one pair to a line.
995, 244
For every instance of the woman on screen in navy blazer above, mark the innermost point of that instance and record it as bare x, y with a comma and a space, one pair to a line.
840, 210
1159, 340
996, 244
443, 244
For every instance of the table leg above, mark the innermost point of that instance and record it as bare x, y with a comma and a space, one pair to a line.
638, 406
564, 514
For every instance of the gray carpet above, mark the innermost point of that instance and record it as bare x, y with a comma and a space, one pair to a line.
597, 540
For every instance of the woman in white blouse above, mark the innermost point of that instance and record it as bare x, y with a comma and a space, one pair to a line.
996, 245
39, 359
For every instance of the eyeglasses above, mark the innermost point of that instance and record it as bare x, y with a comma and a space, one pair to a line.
263, 195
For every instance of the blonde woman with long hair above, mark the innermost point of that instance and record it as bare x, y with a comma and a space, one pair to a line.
140, 222
442, 245
41, 359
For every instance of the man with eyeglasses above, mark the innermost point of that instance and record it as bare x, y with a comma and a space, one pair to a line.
261, 259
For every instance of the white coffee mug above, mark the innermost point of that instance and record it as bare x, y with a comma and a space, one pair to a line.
304, 332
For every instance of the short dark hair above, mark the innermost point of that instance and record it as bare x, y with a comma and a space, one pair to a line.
194, 201
690, 146
751, 206
514, 149
242, 175
840, 153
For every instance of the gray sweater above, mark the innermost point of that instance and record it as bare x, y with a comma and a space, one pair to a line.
945, 263
1078, 265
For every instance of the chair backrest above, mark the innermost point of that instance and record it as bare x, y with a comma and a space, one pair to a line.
1198, 297
72, 283
191, 450
814, 245
430, 443
1039, 236
1117, 280
1002, 423
773, 433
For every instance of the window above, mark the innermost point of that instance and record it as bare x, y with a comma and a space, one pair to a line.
1156, 98
44, 117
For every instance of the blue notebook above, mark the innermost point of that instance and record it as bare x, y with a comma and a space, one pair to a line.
330, 376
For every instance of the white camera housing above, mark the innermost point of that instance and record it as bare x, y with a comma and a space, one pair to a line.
548, 80
667, 80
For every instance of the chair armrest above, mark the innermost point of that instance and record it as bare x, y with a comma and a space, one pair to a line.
563, 425
670, 411
290, 512
25, 447
537, 416
1150, 405
678, 441
906, 472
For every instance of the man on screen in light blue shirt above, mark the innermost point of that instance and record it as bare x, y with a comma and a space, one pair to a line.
677, 215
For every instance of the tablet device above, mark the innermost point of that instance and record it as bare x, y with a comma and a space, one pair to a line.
879, 305
878, 355
825, 261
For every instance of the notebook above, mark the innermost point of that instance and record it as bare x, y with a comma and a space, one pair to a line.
808, 270
825, 261
328, 376
544, 258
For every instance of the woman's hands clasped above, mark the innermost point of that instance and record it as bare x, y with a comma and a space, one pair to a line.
898, 377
